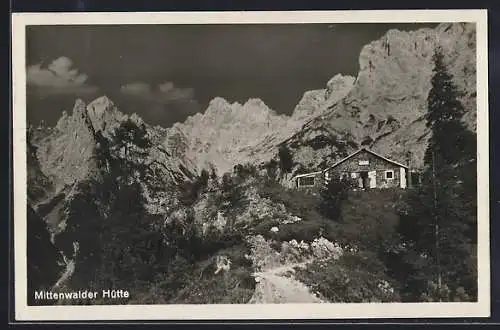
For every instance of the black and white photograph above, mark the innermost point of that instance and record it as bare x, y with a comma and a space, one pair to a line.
320, 164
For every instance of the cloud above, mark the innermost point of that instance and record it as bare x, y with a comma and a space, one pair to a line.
163, 103
139, 89
162, 93
59, 77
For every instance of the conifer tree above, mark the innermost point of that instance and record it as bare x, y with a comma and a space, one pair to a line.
439, 219
130, 144
126, 237
333, 193
286, 160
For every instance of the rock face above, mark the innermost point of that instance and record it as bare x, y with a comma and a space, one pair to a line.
315, 102
66, 175
67, 154
384, 109
229, 134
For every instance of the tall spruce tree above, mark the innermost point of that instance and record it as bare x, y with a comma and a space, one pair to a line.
332, 194
130, 147
128, 242
438, 222
286, 159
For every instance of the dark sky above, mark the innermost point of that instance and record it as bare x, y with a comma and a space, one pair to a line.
166, 72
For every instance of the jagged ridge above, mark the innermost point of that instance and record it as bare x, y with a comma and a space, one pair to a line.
384, 110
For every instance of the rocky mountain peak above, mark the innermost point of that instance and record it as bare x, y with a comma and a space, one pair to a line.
256, 102
79, 106
338, 87
100, 105
218, 104
384, 107
315, 102
66, 154
104, 115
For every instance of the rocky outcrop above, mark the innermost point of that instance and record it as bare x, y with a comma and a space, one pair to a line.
67, 165
315, 102
67, 154
384, 109
227, 134
40, 187
104, 115
62, 156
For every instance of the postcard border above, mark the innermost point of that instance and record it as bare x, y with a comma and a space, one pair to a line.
23, 312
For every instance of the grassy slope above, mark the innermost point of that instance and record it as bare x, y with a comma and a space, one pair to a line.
369, 220
368, 224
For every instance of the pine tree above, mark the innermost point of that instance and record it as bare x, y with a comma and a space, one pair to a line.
130, 147
333, 193
232, 192
128, 242
439, 219
271, 170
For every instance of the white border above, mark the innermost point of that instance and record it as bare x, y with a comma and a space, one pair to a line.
239, 312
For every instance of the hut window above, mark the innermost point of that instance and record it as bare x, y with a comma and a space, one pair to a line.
364, 162
389, 175
306, 181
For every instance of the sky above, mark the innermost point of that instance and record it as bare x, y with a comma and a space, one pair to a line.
165, 73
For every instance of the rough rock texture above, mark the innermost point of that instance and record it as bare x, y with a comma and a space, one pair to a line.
384, 109
104, 115
229, 134
40, 186
314, 102
67, 153
64, 171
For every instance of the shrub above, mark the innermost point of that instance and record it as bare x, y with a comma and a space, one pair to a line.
232, 192
322, 248
333, 194
369, 220
352, 278
233, 286
296, 202
262, 254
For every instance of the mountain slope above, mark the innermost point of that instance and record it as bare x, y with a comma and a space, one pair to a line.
69, 171
229, 134
384, 110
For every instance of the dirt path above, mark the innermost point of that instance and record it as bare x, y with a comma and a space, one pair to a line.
68, 272
274, 288
70, 267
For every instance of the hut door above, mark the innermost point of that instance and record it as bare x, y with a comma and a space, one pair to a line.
372, 175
